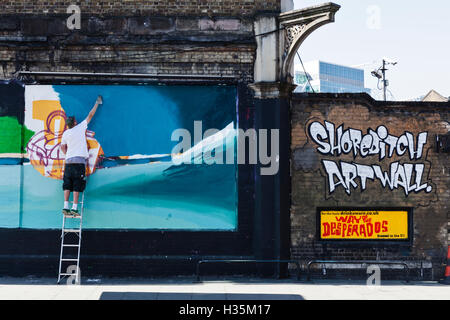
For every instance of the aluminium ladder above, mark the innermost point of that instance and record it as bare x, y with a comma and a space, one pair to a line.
76, 231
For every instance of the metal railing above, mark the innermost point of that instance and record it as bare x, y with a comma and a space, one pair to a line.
370, 262
245, 261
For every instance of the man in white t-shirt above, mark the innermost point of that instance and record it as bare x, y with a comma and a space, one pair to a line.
74, 145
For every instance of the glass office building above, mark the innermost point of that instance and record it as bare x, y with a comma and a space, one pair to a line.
329, 77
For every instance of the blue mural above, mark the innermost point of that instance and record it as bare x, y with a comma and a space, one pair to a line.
133, 182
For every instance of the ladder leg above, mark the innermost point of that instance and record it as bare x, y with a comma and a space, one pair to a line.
78, 280
62, 246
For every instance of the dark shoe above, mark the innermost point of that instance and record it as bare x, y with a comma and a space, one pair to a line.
74, 213
66, 212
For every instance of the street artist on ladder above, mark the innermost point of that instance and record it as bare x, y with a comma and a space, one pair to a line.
74, 145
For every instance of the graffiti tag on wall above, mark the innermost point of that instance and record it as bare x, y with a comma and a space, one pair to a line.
335, 142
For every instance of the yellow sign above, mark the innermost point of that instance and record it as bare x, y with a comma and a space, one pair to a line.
364, 224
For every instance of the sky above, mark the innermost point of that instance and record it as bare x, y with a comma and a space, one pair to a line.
415, 33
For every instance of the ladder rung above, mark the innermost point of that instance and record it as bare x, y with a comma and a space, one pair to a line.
72, 230
72, 217
68, 274
69, 259
70, 245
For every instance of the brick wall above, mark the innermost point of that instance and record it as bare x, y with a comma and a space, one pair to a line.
144, 7
310, 187
170, 37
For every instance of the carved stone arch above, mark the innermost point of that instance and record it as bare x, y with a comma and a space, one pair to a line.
297, 25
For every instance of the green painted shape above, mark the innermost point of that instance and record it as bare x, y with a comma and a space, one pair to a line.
11, 135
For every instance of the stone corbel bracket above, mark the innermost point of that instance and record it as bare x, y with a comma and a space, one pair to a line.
297, 25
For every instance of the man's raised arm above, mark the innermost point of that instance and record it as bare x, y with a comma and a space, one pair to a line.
94, 109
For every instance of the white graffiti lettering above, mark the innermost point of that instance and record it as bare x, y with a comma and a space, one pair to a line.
337, 141
407, 176
334, 141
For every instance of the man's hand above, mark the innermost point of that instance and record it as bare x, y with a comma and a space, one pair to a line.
94, 109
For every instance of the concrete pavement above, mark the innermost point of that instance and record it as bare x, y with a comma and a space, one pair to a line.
184, 288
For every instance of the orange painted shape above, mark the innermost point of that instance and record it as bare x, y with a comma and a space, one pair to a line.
41, 111
42, 108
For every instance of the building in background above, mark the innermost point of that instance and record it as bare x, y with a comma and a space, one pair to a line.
434, 96
431, 96
329, 77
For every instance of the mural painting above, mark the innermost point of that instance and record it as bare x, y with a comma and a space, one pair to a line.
133, 181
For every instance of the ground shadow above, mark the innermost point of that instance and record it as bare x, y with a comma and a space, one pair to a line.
195, 296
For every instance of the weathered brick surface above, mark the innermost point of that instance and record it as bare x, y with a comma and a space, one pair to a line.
155, 59
310, 187
143, 7
202, 37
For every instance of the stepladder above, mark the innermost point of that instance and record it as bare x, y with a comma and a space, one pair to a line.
69, 259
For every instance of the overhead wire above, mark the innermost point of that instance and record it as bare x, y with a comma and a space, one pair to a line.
306, 74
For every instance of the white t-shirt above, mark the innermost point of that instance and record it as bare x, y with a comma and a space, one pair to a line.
75, 139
